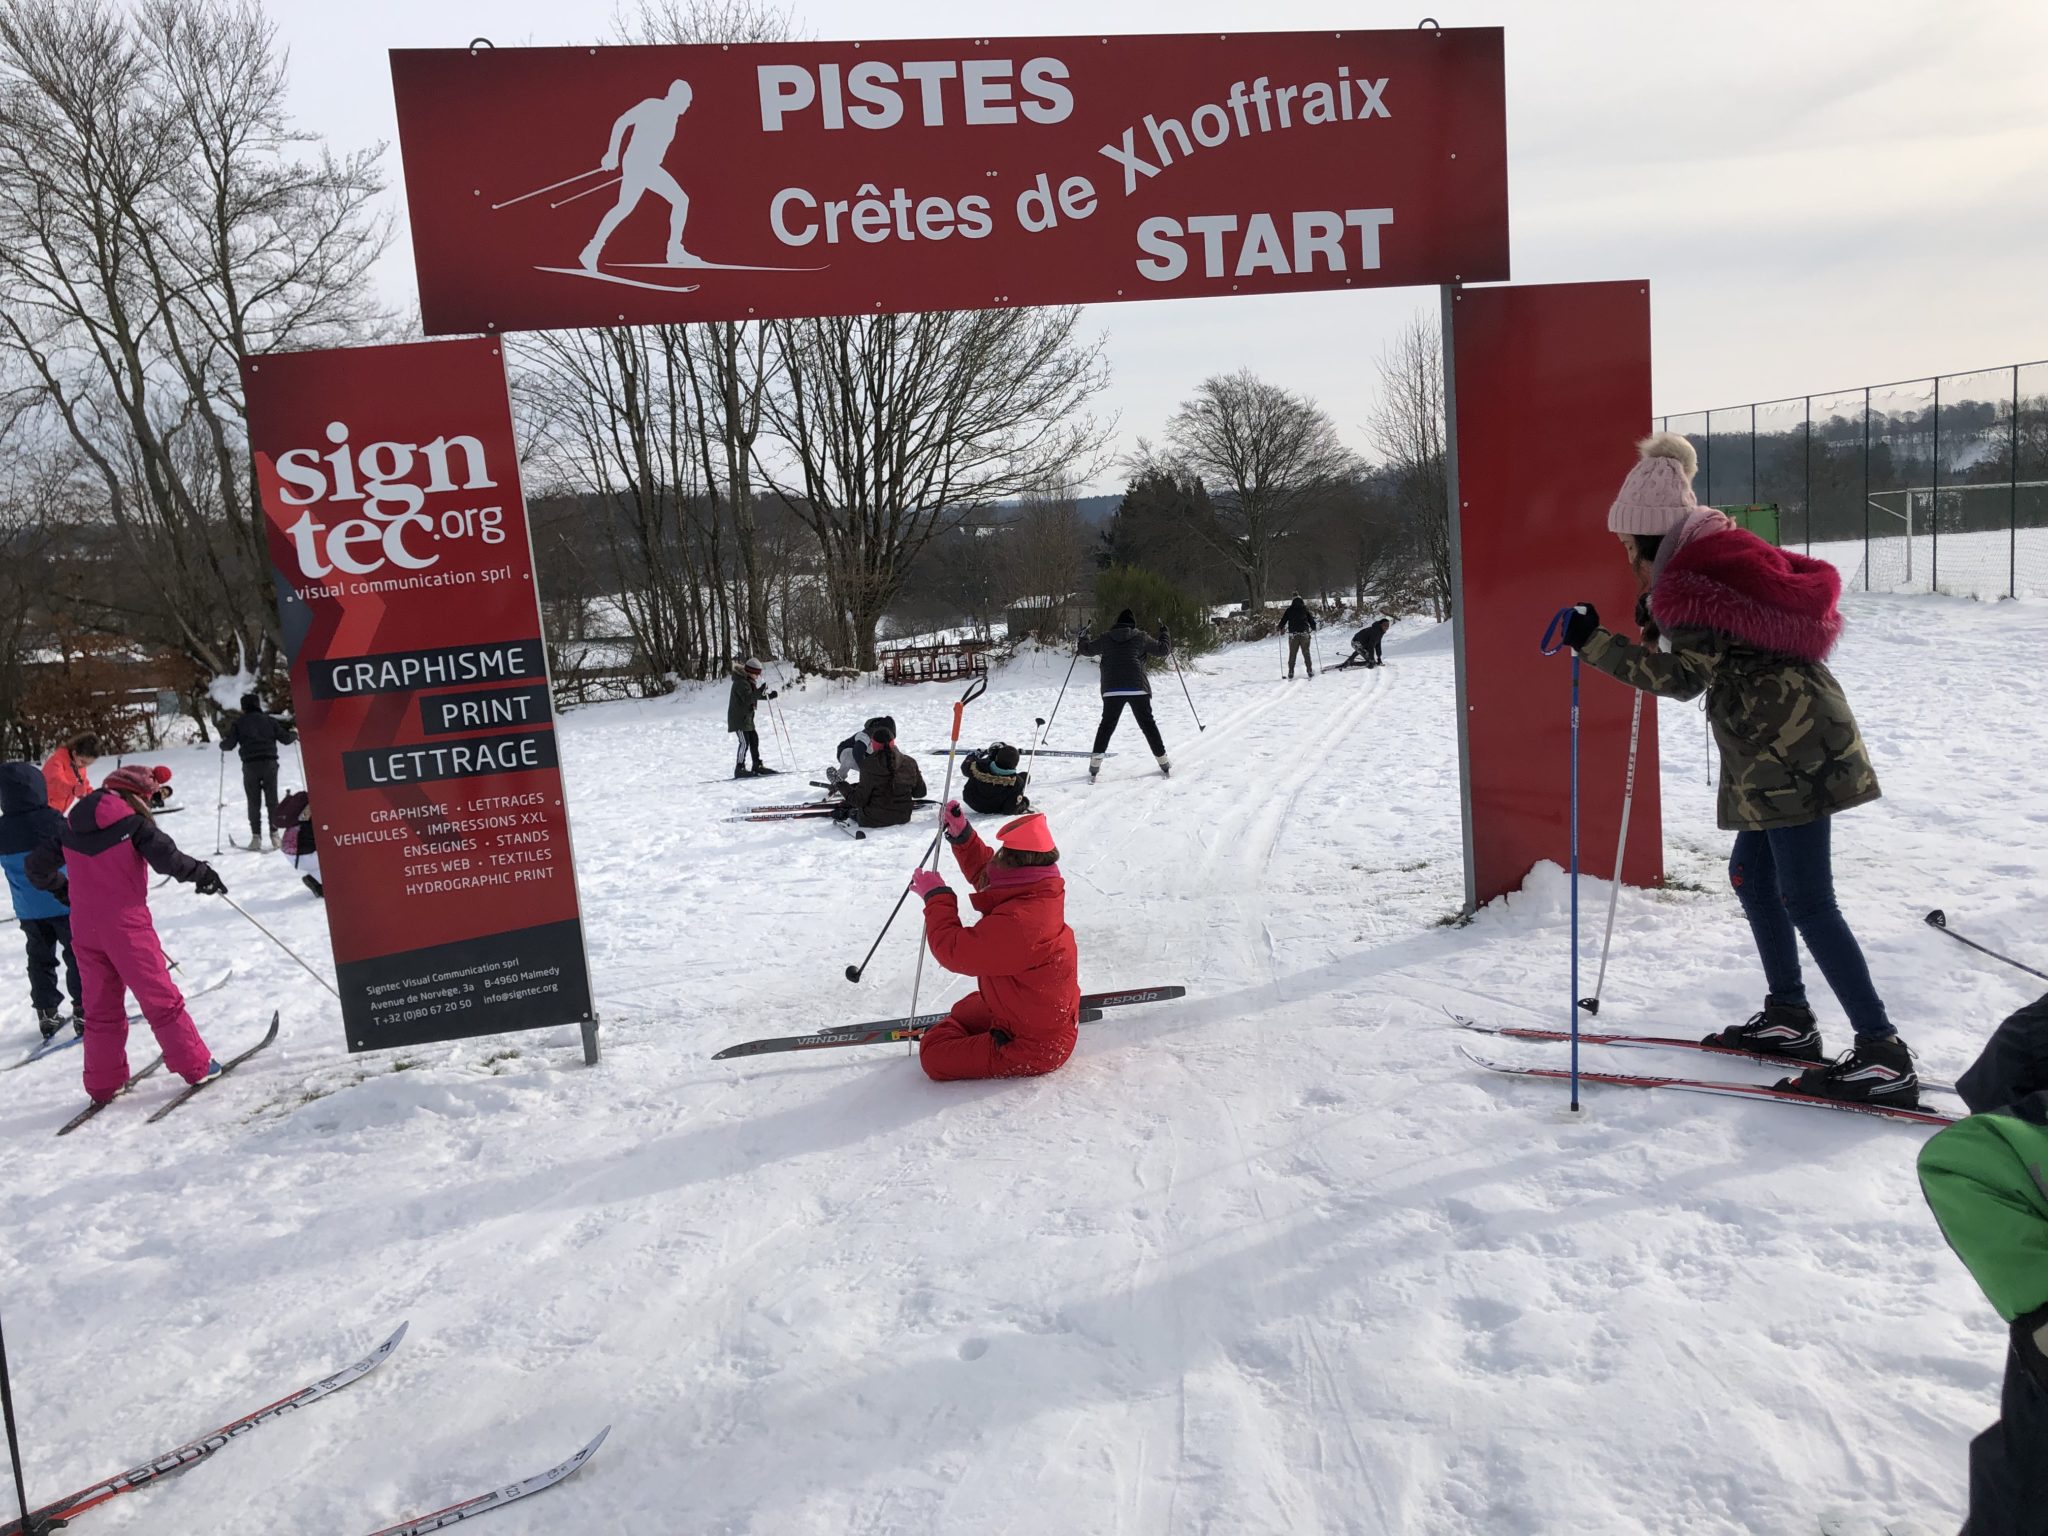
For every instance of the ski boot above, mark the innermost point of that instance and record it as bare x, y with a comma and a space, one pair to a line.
1094, 765
1779, 1029
213, 1070
763, 771
314, 886
1165, 768
1878, 1071
739, 771
49, 1023
273, 839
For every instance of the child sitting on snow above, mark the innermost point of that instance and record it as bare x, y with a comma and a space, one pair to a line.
992, 782
887, 783
295, 814
1021, 1020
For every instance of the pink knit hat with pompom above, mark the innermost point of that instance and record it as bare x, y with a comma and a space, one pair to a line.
1657, 495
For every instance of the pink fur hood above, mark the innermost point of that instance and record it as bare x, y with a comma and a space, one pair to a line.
1735, 583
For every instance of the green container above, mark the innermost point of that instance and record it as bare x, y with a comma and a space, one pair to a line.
1760, 518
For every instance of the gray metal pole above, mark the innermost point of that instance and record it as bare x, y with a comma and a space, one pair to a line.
1934, 512
1866, 487
1809, 474
2012, 515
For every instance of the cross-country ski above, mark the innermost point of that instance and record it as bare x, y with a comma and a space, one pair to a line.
497, 1498
878, 1030
192, 1452
1650, 1042
224, 1069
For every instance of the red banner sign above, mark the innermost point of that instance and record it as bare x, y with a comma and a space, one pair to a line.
1553, 391
398, 539
598, 186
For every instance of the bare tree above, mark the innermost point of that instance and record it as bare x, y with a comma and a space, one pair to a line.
29, 516
611, 417
726, 362
893, 428
160, 219
1045, 553
1268, 457
1408, 429
704, 21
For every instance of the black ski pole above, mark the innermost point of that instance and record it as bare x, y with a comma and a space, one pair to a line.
28, 1524
1939, 919
280, 943
854, 972
1063, 690
220, 801
1186, 695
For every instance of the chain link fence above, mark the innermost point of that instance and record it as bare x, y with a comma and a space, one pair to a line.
1935, 485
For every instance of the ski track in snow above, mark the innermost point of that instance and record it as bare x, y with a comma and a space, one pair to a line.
1271, 1258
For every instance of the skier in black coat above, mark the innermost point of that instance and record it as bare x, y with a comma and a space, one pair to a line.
1125, 684
258, 735
1299, 624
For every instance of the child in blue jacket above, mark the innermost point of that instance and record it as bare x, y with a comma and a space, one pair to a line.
26, 820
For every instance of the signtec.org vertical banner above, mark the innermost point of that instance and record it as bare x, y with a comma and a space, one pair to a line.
398, 538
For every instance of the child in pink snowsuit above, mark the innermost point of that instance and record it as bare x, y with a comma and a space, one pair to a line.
109, 844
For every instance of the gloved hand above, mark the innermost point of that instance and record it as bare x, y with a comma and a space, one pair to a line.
208, 883
774, 693
1162, 636
927, 883
1580, 624
954, 819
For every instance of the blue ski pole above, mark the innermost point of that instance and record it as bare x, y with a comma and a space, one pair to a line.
1553, 642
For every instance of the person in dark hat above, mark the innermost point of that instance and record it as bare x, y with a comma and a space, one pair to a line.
1365, 646
257, 734
1299, 624
887, 782
1984, 1180
1125, 685
992, 781
27, 821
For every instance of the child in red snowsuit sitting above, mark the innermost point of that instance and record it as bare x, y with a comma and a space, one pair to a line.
1021, 1021
102, 860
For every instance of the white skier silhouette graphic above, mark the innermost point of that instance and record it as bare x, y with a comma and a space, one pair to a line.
647, 129
635, 164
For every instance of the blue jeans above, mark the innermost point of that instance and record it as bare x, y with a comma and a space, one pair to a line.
1785, 880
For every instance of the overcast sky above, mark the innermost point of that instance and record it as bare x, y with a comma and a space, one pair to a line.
1822, 193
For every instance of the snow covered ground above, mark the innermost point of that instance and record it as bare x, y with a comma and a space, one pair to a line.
1271, 1259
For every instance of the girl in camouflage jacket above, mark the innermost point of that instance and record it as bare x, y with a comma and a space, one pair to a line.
1749, 625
